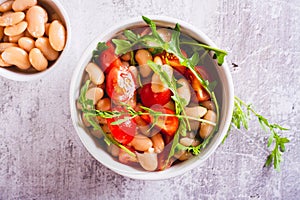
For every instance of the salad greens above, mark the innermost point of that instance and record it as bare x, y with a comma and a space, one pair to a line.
241, 113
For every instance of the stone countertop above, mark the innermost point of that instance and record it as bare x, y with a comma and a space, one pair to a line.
41, 156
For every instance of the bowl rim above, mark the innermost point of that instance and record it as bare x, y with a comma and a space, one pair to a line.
159, 20
21, 77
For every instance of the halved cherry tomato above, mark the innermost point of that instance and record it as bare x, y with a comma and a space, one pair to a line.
167, 124
201, 93
150, 98
108, 59
120, 84
123, 132
172, 60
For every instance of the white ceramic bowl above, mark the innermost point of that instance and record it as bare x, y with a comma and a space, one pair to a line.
101, 155
17, 75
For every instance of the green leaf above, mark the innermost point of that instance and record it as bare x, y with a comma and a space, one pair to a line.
131, 36
101, 46
194, 59
122, 46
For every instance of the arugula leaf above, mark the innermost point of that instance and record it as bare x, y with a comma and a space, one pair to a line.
241, 116
122, 46
131, 36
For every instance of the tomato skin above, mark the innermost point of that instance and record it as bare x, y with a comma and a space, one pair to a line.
124, 132
120, 84
108, 59
173, 61
201, 93
150, 98
168, 125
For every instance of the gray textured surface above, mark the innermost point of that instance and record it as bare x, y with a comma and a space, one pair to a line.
41, 156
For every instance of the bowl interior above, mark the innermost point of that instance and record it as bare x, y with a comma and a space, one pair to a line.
54, 8
225, 96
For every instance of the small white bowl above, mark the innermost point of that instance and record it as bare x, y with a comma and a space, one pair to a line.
92, 144
16, 74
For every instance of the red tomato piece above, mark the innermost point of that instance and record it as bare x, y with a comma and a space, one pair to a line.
150, 98
172, 60
124, 132
167, 124
108, 59
201, 93
120, 84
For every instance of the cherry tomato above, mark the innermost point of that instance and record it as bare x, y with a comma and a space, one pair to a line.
108, 59
172, 60
124, 132
167, 124
120, 84
150, 98
201, 93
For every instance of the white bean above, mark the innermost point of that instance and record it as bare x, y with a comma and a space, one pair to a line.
21, 5
206, 129
11, 18
37, 59
6, 6
142, 56
43, 44
184, 90
5, 45
141, 142
57, 35
16, 29
148, 160
26, 43
156, 84
95, 73
16, 56
36, 17
94, 94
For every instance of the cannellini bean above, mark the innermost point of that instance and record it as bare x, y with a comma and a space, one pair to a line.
208, 104
206, 129
16, 29
103, 104
126, 56
15, 38
134, 72
158, 143
37, 59
184, 90
125, 158
21, 5
1, 32
147, 160
85, 121
6, 6
16, 56
47, 26
26, 43
185, 156
141, 142
36, 17
94, 94
156, 84
194, 125
95, 73
157, 60
185, 141
113, 150
57, 35
165, 34
43, 44
11, 18
96, 133
3, 63
5, 45
142, 56
196, 111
